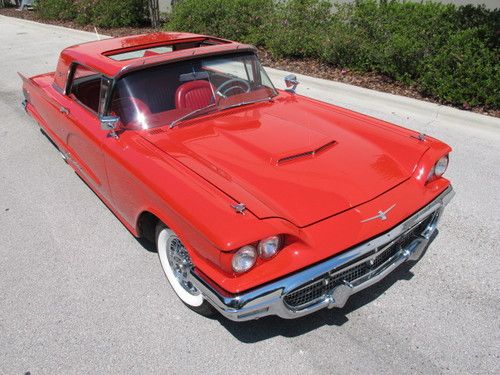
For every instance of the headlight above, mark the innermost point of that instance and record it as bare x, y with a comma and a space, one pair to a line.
438, 169
244, 259
441, 166
268, 247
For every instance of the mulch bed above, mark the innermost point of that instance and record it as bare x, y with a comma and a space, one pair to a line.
308, 67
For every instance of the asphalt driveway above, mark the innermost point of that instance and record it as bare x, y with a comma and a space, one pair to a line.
78, 294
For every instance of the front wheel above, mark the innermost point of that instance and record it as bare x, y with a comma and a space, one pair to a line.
176, 264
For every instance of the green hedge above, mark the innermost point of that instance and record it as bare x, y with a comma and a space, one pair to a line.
56, 9
233, 19
448, 52
101, 13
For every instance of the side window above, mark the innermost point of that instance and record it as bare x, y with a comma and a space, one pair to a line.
85, 87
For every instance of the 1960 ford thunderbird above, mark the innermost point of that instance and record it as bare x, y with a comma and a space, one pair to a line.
260, 201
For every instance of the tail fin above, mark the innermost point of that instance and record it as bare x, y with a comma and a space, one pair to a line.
23, 77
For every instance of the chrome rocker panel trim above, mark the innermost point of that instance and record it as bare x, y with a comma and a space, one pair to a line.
269, 299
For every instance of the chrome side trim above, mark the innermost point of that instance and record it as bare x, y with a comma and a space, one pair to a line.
269, 299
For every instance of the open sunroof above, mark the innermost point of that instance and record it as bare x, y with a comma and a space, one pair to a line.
146, 51
141, 53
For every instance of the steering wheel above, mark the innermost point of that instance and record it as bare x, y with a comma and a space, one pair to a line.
223, 89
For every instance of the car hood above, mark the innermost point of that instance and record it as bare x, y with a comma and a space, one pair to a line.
294, 158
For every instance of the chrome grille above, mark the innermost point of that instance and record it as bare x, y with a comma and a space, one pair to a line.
318, 289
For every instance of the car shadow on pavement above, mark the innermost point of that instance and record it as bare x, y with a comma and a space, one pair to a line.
268, 327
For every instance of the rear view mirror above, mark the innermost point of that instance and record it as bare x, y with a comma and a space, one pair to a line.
110, 123
291, 83
194, 76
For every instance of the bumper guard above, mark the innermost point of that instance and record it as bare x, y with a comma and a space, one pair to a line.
269, 299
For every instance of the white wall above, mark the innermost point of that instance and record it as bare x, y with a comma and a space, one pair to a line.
164, 5
492, 4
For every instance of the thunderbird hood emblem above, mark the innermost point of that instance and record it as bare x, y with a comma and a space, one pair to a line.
382, 215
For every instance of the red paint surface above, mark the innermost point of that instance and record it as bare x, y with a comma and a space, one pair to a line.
189, 176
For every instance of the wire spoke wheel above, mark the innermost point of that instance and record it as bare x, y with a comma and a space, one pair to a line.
181, 264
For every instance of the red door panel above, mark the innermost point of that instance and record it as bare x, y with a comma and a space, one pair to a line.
83, 139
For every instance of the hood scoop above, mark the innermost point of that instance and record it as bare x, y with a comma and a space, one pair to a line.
300, 154
156, 131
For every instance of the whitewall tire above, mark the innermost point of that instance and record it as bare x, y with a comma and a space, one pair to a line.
176, 264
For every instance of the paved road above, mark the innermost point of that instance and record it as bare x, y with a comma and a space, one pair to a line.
78, 294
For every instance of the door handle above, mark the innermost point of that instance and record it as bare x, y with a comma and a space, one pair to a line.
64, 110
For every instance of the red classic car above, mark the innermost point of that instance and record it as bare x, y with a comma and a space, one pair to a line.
260, 201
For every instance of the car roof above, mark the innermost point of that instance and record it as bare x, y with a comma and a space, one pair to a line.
96, 54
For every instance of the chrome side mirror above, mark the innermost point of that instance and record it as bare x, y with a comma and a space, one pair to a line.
110, 123
291, 83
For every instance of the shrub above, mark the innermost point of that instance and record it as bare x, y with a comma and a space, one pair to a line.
448, 52
245, 20
298, 28
485, 21
111, 13
102, 13
56, 9
463, 71
389, 38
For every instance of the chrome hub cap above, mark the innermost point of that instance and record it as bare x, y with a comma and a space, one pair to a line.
181, 264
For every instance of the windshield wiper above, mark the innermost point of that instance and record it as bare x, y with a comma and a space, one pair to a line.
266, 99
188, 115
197, 111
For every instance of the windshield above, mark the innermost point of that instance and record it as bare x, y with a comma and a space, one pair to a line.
173, 93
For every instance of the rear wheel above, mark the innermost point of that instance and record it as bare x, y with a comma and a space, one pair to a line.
177, 264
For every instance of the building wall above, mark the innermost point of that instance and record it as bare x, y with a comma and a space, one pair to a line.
492, 4
165, 6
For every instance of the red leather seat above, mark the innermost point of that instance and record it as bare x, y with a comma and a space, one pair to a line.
194, 95
128, 109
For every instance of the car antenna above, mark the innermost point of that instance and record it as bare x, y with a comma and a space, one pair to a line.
420, 136
97, 34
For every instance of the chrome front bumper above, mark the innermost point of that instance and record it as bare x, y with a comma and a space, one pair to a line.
332, 282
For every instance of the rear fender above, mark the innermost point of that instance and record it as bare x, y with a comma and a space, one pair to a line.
38, 102
28, 85
32, 89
